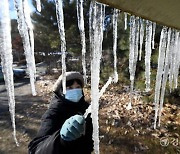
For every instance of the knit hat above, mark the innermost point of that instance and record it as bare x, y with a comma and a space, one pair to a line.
69, 76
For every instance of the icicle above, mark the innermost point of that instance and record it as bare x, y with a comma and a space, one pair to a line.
80, 17
29, 25
26, 33
27, 13
60, 20
148, 51
115, 17
96, 38
105, 86
38, 5
141, 37
153, 33
136, 44
7, 60
172, 58
125, 20
133, 53
165, 74
176, 60
162, 48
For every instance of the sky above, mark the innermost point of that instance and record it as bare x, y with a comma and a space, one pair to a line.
13, 14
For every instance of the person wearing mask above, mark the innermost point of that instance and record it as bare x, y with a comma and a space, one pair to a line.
63, 128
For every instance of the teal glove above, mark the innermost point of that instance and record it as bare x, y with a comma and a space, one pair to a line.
73, 128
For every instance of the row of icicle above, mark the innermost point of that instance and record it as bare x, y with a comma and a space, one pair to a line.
168, 62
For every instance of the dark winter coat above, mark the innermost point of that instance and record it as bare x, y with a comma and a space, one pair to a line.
48, 139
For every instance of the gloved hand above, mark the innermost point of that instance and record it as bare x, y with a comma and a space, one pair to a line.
73, 128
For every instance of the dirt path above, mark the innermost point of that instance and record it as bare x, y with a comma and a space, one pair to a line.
27, 119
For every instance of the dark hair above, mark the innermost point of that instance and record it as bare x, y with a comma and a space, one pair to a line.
70, 82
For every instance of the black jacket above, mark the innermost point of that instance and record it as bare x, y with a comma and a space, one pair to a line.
48, 139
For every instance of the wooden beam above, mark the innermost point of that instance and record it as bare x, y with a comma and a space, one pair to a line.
164, 12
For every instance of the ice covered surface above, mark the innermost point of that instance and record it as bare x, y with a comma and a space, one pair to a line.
7, 60
80, 16
60, 20
26, 32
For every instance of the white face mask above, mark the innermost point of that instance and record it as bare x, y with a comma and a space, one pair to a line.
74, 95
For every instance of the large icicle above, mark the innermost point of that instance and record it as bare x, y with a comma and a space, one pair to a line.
148, 51
131, 56
162, 48
80, 17
165, 73
60, 20
115, 17
96, 38
141, 37
27, 37
7, 60
133, 53
29, 25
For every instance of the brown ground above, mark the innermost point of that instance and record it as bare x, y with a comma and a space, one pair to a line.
121, 131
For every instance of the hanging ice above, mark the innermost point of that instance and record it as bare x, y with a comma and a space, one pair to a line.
27, 16
153, 33
162, 48
114, 77
29, 25
38, 5
141, 37
172, 59
96, 38
115, 17
165, 72
125, 20
174, 62
177, 63
25, 30
60, 20
136, 44
167, 52
148, 51
7, 60
80, 17
133, 53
